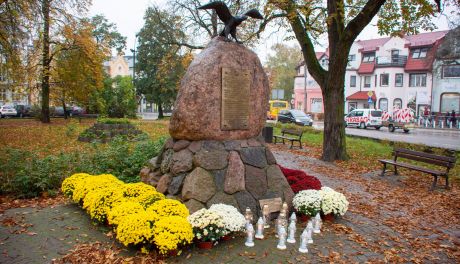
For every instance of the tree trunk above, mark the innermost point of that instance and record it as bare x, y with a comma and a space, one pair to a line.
160, 110
45, 115
334, 145
65, 109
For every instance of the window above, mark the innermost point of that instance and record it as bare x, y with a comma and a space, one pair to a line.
397, 103
451, 71
417, 80
419, 53
384, 79
399, 79
359, 113
449, 102
324, 62
353, 81
352, 106
394, 53
383, 104
367, 81
368, 57
352, 57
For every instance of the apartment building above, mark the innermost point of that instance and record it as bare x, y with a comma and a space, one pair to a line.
384, 73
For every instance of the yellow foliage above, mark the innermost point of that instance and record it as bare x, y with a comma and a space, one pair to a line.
100, 201
83, 187
143, 193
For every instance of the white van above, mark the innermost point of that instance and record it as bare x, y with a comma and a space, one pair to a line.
363, 118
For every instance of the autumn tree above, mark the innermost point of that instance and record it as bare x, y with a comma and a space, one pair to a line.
77, 70
203, 25
342, 21
282, 67
119, 97
55, 14
160, 64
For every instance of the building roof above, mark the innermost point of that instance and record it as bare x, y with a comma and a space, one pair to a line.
366, 67
319, 55
422, 64
362, 95
425, 39
371, 44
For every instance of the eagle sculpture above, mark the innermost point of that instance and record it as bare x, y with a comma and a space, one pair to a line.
230, 22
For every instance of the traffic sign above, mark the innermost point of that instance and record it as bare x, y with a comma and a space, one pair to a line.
369, 100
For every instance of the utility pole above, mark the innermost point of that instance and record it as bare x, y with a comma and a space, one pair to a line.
305, 87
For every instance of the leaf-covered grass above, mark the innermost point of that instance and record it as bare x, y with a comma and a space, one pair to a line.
366, 152
35, 158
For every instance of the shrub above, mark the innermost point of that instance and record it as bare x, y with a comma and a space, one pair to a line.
88, 184
99, 202
25, 174
171, 232
103, 120
166, 208
142, 193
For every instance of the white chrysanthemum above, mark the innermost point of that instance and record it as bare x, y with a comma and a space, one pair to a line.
233, 220
333, 202
307, 202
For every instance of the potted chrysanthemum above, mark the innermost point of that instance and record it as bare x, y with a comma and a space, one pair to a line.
234, 221
208, 227
333, 203
307, 203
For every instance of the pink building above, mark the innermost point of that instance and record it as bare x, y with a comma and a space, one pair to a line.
394, 71
314, 95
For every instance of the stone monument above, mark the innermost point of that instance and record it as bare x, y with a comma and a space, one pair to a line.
216, 153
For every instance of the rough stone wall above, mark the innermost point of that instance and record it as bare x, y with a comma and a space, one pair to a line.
205, 172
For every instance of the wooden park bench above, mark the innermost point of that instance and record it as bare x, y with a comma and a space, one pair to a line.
294, 136
441, 161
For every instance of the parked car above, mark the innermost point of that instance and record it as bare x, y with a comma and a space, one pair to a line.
23, 110
295, 116
59, 111
76, 110
364, 118
7, 111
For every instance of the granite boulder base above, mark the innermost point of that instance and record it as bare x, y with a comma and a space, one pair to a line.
205, 172
197, 110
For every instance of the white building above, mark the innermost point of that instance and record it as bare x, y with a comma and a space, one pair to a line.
382, 73
446, 75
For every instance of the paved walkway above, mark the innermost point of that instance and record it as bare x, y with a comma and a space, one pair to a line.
29, 235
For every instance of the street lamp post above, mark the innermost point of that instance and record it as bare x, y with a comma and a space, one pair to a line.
134, 72
305, 87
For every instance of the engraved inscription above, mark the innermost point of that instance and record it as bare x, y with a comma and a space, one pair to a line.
235, 99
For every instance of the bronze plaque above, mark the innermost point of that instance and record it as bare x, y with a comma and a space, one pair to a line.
274, 204
235, 99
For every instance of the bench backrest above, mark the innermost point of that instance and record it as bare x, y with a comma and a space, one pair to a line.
292, 132
448, 162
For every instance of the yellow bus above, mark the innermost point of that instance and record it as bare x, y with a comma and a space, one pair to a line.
275, 107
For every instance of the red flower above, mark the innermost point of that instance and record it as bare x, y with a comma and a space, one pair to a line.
299, 180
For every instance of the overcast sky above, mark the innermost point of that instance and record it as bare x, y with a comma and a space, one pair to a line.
128, 16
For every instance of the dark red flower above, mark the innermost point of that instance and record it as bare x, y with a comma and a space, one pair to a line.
299, 180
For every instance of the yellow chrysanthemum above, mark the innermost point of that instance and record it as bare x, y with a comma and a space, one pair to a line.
170, 232
143, 193
135, 229
165, 208
88, 184
99, 202
123, 209
68, 185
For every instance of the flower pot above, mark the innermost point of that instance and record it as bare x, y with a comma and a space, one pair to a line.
328, 217
205, 244
226, 238
304, 218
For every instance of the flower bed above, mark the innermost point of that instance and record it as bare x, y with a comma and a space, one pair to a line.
327, 201
233, 220
208, 226
140, 215
299, 180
